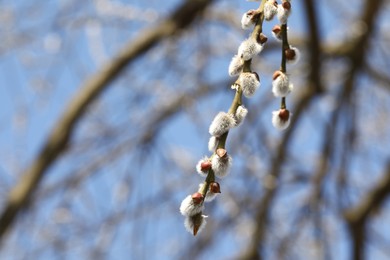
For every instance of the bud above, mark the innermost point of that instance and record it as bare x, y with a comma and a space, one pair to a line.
286, 5
197, 198
292, 55
192, 204
284, 13
214, 187
195, 224
235, 66
270, 9
249, 82
280, 84
203, 166
221, 152
222, 123
213, 142
262, 38
277, 32
249, 18
212, 192
281, 119
221, 163
249, 48
240, 115
284, 114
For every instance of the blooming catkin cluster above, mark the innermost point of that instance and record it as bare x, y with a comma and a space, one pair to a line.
219, 163
281, 85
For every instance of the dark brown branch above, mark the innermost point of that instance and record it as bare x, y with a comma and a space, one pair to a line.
357, 217
314, 44
148, 134
357, 221
58, 139
378, 76
356, 52
262, 215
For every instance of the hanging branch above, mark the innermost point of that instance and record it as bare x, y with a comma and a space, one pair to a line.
219, 163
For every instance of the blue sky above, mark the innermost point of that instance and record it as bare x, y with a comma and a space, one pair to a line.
65, 42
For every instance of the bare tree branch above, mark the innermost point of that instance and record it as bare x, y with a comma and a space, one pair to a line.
57, 141
355, 53
149, 134
314, 88
357, 217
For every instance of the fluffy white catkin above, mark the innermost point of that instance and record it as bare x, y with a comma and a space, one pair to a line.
221, 124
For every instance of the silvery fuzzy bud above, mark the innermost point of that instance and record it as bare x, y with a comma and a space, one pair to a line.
249, 48
277, 32
195, 224
281, 86
221, 163
249, 82
292, 55
281, 119
192, 204
203, 166
240, 115
284, 11
235, 66
213, 191
249, 18
222, 123
213, 142
270, 9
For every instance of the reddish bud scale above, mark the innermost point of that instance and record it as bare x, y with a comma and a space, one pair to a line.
205, 166
284, 114
214, 187
276, 3
251, 12
262, 38
256, 75
290, 54
197, 221
197, 198
254, 14
276, 74
196, 229
276, 29
286, 5
221, 152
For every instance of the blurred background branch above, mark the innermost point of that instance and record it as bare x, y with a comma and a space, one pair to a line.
114, 167
59, 138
